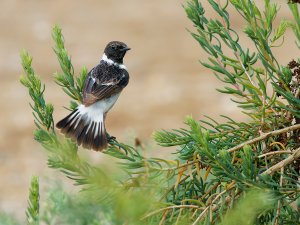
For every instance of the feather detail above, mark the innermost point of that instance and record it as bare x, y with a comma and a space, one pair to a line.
85, 126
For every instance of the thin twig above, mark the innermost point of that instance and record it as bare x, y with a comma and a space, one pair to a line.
210, 190
202, 214
204, 211
176, 167
212, 202
179, 214
170, 207
164, 217
264, 136
246, 72
173, 186
278, 204
274, 153
278, 143
288, 160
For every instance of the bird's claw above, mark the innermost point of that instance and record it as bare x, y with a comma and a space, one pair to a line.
110, 138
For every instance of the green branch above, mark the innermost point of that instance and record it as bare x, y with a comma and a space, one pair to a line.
70, 84
32, 212
42, 112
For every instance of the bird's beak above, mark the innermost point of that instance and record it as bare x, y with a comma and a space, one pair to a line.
126, 49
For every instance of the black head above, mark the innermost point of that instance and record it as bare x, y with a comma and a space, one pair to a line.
116, 50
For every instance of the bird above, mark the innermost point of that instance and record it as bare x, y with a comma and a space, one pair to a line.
103, 85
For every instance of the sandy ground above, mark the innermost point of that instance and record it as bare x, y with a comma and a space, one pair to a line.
167, 82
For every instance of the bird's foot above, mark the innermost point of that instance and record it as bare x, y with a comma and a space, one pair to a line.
110, 138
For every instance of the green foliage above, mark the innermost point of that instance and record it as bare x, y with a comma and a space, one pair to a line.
97, 207
42, 112
255, 202
215, 163
260, 86
71, 86
60, 207
296, 28
247, 74
6, 219
33, 208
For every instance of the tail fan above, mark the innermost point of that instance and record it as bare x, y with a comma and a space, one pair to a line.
82, 126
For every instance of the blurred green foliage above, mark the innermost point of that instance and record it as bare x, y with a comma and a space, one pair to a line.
33, 208
255, 202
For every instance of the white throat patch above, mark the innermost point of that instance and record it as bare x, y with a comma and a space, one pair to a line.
111, 62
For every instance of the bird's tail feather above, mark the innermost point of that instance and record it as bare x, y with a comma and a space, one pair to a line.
84, 129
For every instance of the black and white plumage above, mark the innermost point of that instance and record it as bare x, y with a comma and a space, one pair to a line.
102, 88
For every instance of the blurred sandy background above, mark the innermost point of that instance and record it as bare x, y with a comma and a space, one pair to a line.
167, 82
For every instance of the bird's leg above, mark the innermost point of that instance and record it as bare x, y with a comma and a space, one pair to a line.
110, 138
113, 141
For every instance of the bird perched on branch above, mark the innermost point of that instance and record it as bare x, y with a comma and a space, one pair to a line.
103, 85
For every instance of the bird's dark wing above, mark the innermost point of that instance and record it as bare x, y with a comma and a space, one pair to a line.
102, 83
